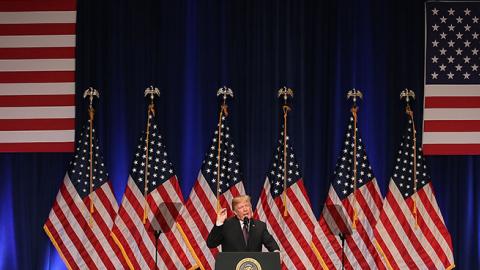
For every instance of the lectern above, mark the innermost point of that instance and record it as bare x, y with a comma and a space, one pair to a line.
247, 261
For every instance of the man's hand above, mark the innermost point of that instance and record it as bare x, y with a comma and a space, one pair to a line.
221, 216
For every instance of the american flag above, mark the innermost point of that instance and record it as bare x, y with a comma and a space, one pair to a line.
350, 210
164, 198
83, 238
452, 79
200, 212
37, 76
410, 232
293, 232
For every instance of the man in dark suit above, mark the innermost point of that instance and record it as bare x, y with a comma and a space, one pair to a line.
240, 232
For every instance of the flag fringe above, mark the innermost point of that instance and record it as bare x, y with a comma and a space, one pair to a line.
319, 257
451, 267
190, 248
57, 247
124, 253
379, 248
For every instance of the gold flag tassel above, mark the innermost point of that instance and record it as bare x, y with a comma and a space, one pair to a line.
150, 114
286, 109
91, 113
223, 111
355, 216
354, 94
91, 93
285, 92
407, 94
414, 210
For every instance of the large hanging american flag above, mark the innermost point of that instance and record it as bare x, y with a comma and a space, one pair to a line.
82, 238
294, 232
452, 79
352, 208
37, 76
410, 232
151, 203
200, 212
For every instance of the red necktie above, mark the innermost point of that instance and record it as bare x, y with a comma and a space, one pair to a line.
245, 234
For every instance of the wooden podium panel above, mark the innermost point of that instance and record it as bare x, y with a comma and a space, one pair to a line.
247, 261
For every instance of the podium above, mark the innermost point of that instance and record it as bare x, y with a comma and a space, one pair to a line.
247, 261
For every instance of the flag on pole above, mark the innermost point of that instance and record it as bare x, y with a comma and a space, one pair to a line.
151, 202
351, 208
37, 76
293, 232
284, 204
410, 232
220, 172
82, 215
451, 124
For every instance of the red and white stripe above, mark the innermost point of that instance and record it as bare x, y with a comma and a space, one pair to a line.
134, 238
84, 243
451, 120
406, 244
37, 76
360, 252
199, 215
293, 233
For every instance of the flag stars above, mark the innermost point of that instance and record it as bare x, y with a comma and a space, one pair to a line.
451, 28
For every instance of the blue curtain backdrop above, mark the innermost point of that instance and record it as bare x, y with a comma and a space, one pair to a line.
189, 49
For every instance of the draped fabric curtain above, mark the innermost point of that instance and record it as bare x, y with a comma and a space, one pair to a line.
189, 49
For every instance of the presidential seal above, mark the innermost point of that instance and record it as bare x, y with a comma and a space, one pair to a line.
248, 264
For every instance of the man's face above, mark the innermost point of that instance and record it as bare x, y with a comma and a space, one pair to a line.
243, 209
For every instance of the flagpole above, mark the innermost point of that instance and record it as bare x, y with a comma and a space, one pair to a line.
285, 92
354, 94
91, 93
223, 111
407, 94
150, 113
